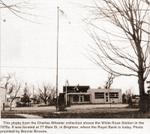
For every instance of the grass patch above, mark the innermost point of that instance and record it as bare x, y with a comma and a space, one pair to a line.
89, 113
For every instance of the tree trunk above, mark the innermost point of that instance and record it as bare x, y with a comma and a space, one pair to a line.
141, 84
45, 101
143, 105
10, 106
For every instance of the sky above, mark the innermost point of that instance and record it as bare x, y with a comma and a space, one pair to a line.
29, 49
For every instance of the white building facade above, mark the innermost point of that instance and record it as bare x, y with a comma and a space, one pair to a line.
86, 95
105, 96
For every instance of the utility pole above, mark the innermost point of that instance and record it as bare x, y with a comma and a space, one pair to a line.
57, 58
0, 67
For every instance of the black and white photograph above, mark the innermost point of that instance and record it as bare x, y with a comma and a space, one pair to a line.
74, 59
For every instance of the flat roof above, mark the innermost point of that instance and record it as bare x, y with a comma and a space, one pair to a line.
81, 93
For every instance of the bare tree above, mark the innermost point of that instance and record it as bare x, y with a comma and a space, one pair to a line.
20, 8
26, 96
109, 82
47, 94
12, 87
13, 92
147, 1
130, 17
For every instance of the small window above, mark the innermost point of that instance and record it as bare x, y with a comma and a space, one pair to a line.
114, 95
99, 95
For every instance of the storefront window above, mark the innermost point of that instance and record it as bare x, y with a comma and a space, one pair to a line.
99, 95
75, 98
86, 98
113, 95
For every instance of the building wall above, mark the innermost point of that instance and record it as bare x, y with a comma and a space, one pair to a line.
104, 95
